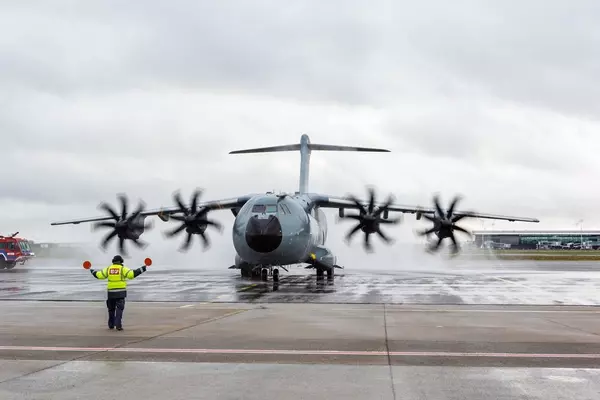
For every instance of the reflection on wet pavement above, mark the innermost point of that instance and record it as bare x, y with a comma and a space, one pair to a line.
515, 283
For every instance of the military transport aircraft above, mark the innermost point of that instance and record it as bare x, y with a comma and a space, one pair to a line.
274, 230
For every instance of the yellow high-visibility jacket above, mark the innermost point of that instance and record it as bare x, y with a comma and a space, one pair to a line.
117, 276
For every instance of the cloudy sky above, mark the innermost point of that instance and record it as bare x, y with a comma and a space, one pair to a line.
497, 101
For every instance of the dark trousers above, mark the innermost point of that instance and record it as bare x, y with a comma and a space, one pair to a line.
115, 312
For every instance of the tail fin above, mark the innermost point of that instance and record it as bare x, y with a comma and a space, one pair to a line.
305, 148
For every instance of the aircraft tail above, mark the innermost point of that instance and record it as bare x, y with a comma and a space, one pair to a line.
305, 147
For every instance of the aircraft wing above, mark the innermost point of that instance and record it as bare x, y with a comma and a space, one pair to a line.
325, 201
224, 204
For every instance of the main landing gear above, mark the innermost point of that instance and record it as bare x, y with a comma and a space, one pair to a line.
321, 273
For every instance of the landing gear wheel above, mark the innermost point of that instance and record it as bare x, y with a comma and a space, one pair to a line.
246, 270
275, 275
330, 273
319, 273
264, 274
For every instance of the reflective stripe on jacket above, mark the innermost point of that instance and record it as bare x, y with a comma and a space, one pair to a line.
117, 276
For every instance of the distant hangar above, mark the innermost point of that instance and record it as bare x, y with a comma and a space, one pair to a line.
537, 239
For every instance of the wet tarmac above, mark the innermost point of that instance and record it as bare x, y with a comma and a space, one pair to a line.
518, 329
63, 350
513, 282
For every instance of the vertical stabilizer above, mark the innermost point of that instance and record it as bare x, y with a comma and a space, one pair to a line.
304, 163
305, 148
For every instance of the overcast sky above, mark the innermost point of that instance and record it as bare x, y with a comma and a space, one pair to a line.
498, 101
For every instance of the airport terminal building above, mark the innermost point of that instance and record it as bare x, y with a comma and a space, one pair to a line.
537, 239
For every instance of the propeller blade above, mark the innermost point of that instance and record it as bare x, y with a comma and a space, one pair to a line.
122, 246
179, 201
457, 218
452, 206
139, 244
438, 207
455, 247
429, 218
195, 197
361, 207
187, 243
106, 207
383, 236
108, 238
438, 244
175, 231
458, 228
213, 223
353, 231
140, 208
367, 242
106, 224
370, 217
385, 206
124, 204
205, 240
427, 232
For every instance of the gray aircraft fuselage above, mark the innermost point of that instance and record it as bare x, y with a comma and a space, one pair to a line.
274, 230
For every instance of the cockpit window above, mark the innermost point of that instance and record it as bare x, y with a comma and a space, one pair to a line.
261, 208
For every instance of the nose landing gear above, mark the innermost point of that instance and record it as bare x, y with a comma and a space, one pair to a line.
266, 271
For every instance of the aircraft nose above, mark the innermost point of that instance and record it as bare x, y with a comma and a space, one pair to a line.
263, 235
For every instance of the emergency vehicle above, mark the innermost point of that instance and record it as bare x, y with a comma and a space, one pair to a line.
14, 250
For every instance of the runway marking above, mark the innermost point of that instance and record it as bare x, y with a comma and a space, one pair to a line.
301, 352
392, 309
248, 287
187, 306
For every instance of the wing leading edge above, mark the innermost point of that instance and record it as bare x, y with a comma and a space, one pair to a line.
325, 201
224, 204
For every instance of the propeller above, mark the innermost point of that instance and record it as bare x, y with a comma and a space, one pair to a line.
193, 221
444, 224
125, 227
369, 219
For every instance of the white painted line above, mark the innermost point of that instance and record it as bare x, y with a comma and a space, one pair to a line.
391, 308
302, 352
187, 306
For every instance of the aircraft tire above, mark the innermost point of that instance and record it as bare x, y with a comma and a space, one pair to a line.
246, 270
330, 273
319, 273
264, 274
275, 275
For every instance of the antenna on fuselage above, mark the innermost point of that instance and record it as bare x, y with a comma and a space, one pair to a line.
306, 147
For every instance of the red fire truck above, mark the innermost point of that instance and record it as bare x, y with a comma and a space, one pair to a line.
14, 250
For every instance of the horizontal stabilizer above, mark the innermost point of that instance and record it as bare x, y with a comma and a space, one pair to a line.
272, 149
311, 146
330, 147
